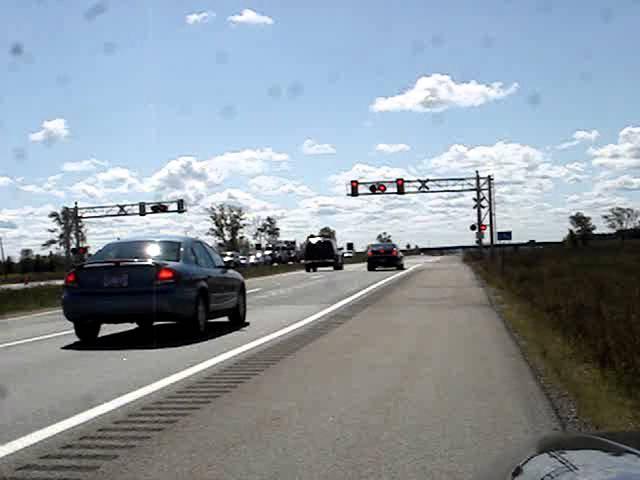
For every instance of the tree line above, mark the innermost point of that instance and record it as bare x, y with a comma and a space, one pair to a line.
623, 221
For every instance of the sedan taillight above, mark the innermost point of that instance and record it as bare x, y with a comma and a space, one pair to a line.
71, 279
369, 253
394, 252
166, 275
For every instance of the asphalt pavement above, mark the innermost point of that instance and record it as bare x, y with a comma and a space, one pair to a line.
412, 378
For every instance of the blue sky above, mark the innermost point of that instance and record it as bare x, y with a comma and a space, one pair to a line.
136, 86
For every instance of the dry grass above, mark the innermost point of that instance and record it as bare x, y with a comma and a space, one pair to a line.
577, 311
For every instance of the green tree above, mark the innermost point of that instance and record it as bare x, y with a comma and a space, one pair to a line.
384, 237
228, 222
327, 232
26, 260
66, 233
9, 265
621, 220
582, 226
269, 229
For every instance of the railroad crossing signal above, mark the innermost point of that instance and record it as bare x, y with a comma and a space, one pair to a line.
479, 203
400, 186
483, 227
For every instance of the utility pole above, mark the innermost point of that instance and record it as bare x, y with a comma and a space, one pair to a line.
76, 226
4, 262
479, 232
491, 219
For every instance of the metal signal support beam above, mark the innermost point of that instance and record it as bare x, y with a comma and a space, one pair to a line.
476, 184
129, 209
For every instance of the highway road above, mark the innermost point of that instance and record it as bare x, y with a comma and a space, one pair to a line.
350, 374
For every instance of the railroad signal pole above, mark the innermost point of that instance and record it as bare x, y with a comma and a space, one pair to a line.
484, 205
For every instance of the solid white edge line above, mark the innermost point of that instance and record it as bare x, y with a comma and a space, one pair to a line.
35, 339
88, 415
38, 314
253, 290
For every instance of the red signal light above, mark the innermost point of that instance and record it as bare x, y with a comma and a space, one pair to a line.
354, 188
483, 227
382, 188
400, 186
165, 275
71, 280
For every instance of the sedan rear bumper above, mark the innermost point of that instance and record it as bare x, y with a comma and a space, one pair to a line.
163, 304
383, 261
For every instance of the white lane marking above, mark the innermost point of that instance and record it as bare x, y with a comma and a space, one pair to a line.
35, 339
88, 415
39, 314
315, 277
254, 290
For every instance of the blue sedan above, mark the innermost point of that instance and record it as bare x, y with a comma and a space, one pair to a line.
147, 280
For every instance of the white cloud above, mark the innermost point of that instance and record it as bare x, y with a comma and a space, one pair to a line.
622, 155
83, 165
116, 180
5, 181
8, 225
51, 132
311, 147
437, 92
508, 161
238, 197
392, 147
48, 187
623, 183
270, 185
198, 17
579, 136
250, 17
192, 178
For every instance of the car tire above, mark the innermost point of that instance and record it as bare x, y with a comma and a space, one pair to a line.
370, 268
307, 268
401, 266
238, 315
87, 332
200, 316
338, 267
315, 269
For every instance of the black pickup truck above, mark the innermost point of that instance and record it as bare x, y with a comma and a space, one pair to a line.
321, 252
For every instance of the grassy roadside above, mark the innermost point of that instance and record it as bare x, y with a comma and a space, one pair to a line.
29, 299
603, 394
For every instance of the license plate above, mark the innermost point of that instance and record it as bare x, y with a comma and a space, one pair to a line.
116, 280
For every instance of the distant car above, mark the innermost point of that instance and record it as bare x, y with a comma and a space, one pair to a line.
152, 279
243, 261
231, 259
257, 258
322, 252
384, 255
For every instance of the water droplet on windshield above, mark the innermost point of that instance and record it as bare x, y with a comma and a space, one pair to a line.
95, 11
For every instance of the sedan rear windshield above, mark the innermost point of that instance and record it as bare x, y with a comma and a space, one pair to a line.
377, 246
163, 250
